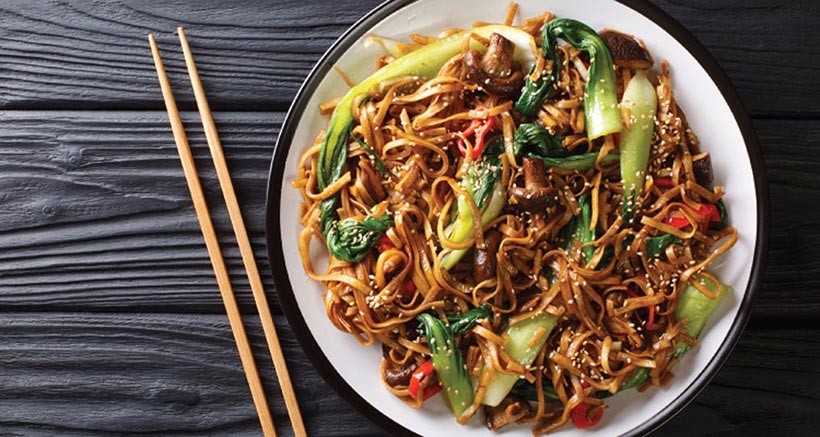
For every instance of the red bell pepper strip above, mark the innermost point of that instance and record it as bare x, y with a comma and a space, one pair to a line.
409, 289
384, 244
430, 391
710, 211
481, 136
706, 210
650, 321
581, 419
579, 413
480, 128
664, 183
422, 372
677, 222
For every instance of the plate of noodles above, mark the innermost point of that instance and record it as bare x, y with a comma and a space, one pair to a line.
534, 218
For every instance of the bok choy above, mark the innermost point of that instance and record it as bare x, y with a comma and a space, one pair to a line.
640, 103
601, 110
483, 183
446, 357
524, 340
352, 242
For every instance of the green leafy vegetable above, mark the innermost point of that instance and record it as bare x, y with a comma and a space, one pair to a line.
535, 91
526, 390
448, 363
724, 216
464, 322
641, 102
601, 110
483, 183
537, 141
697, 307
656, 245
693, 306
636, 380
522, 348
351, 239
424, 62
376, 158
578, 229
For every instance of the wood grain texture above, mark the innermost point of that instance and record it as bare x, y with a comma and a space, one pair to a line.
148, 374
179, 375
97, 215
110, 319
92, 55
104, 211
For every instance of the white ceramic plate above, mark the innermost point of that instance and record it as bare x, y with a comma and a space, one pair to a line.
714, 112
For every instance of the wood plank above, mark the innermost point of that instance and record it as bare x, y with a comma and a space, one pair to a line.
125, 374
763, 48
97, 216
769, 386
84, 54
179, 375
93, 55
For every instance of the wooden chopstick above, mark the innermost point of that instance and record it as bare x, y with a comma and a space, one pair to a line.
242, 239
218, 263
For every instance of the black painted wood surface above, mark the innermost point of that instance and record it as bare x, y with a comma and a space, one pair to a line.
110, 319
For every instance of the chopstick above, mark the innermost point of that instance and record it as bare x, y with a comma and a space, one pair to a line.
212, 244
245, 249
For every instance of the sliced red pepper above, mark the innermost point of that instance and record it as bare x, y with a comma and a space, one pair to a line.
650, 321
409, 289
581, 419
676, 222
481, 137
479, 127
467, 132
664, 183
474, 125
423, 371
383, 244
710, 211
430, 391
706, 210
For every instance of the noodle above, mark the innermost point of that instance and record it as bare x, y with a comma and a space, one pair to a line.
614, 302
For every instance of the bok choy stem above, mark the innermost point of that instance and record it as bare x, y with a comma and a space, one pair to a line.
603, 117
354, 243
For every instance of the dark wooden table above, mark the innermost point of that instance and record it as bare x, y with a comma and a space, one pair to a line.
110, 319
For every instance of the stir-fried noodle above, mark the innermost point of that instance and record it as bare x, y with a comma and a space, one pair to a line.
613, 295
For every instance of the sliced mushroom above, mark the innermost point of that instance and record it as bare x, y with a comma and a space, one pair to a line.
535, 196
512, 408
626, 51
400, 376
495, 70
702, 168
484, 262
